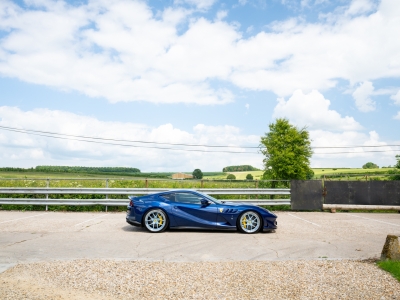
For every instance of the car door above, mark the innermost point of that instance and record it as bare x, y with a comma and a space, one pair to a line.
189, 212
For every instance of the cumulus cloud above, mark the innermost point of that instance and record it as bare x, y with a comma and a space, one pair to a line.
23, 150
329, 129
360, 7
362, 96
312, 110
123, 51
19, 149
396, 98
397, 117
200, 4
354, 157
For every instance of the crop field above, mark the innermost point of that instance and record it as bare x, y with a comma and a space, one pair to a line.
320, 173
239, 175
351, 174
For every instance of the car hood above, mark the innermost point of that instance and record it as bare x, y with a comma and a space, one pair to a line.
237, 203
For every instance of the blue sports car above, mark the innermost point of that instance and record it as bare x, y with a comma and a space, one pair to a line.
192, 209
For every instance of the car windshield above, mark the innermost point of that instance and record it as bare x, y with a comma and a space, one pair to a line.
212, 199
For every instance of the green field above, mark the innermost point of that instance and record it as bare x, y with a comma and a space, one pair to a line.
329, 173
319, 173
239, 175
351, 174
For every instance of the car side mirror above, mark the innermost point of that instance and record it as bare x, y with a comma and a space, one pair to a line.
204, 202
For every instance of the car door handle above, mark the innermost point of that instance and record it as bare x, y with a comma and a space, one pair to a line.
175, 207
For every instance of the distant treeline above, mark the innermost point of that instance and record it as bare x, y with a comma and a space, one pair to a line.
69, 169
239, 168
17, 169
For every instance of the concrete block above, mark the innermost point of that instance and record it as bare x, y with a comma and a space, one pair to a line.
391, 249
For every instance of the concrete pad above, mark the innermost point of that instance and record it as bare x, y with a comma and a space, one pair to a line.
300, 235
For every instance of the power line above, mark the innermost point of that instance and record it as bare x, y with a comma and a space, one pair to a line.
130, 141
99, 140
123, 145
358, 152
375, 146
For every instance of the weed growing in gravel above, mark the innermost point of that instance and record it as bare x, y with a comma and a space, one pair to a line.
393, 267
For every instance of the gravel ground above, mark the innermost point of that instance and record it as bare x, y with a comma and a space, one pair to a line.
104, 279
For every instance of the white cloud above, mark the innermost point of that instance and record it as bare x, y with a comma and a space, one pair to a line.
123, 51
222, 14
200, 4
312, 110
355, 157
397, 117
23, 150
329, 129
18, 149
396, 98
362, 97
360, 7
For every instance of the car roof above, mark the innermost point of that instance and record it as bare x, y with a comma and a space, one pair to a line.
181, 190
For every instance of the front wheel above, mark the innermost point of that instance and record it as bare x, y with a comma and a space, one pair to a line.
249, 222
155, 220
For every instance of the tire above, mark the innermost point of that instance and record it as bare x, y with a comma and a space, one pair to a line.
155, 220
249, 222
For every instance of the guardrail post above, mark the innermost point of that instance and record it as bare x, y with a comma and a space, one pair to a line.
147, 183
47, 195
106, 194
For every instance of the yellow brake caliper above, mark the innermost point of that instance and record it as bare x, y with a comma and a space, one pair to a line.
161, 219
244, 222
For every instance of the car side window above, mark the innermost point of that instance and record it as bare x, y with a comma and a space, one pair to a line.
188, 198
169, 197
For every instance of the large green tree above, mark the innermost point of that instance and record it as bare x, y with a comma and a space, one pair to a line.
287, 151
396, 172
370, 165
197, 174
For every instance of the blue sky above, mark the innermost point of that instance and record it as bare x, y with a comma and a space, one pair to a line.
202, 72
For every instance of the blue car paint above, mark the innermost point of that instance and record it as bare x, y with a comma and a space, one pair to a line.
188, 215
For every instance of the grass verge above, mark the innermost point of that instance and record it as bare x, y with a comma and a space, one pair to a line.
277, 207
391, 266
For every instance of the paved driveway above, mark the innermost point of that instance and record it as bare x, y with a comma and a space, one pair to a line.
44, 236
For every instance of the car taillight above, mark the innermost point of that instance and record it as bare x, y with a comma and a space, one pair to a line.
131, 203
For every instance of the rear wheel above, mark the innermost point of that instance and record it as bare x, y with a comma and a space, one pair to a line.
156, 220
249, 222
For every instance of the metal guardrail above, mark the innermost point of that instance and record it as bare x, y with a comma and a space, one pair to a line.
138, 191
127, 191
116, 202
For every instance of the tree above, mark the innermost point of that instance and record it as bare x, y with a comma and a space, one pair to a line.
287, 152
249, 177
240, 168
395, 174
370, 165
197, 174
231, 176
